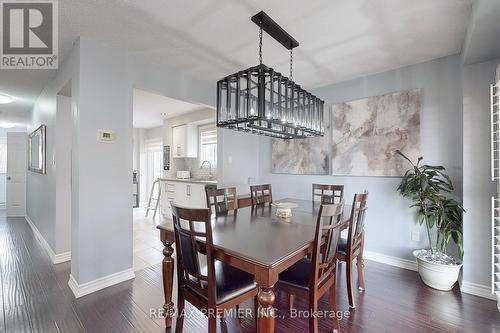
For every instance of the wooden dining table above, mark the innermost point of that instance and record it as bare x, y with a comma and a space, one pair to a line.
256, 241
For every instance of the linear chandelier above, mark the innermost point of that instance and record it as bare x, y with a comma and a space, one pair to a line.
261, 101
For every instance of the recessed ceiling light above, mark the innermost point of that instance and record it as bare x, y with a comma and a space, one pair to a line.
6, 99
7, 124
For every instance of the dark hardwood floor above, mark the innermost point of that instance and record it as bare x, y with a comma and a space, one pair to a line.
36, 298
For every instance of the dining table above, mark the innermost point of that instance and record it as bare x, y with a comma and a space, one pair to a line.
257, 241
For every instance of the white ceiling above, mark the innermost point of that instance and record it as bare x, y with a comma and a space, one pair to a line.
150, 109
209, 39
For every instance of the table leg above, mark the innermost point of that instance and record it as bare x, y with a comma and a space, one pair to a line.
266, 310
168, 281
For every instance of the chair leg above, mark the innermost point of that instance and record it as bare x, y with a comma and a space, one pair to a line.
255, 312
313, 318
179, 323
212, 323
360, 264
348, 272
333, 307
291, 299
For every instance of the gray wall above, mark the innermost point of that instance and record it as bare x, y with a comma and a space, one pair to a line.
390, 221
101, 209
238, 158
41, 189
477, 185
102, 79
62, 159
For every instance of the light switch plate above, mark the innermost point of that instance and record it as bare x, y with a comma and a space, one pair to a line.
415, 236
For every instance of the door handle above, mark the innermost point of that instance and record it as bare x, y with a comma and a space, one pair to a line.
9, 178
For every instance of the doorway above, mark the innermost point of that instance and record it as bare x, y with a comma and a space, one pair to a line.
154, 167
3, 172
15, 165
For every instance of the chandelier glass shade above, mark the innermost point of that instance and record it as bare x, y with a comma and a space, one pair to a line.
262, 101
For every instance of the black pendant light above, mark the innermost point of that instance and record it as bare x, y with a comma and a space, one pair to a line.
262, 101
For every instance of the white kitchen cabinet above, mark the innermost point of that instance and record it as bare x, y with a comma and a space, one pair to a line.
185, 141
191, 195
167, 195
196, 196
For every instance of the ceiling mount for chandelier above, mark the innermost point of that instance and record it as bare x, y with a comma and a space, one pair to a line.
262, 101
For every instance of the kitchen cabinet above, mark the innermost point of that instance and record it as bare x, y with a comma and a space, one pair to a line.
191, 195
185, 141
167, 195
196, 195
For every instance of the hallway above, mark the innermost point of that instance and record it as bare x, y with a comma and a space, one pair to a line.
36, 296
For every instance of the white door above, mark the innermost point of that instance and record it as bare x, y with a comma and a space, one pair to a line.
16, 174
155, 165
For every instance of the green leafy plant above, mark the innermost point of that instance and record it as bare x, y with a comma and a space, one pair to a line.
427, 187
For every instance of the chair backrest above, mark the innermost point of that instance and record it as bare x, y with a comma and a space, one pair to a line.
221, 200
261, 194
326, 241
357, 222
192, 226
328, 194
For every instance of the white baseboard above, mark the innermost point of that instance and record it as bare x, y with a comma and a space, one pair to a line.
477, 290
98, 284
467, 287
55, 258
62, 257
389, 260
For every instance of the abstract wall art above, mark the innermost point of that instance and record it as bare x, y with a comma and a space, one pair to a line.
302, 156
366, 132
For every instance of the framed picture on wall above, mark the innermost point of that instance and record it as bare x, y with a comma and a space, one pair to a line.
36, 150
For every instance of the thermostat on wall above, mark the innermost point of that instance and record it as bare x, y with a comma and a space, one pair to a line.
106, 136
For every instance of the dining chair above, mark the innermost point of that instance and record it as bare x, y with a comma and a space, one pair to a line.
261, 194
312, 278
221, 200
328, 193
209, 285
352, 247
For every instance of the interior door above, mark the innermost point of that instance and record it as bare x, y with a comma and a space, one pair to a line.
16, 174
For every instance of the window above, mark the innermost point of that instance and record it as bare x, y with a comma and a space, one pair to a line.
3, 157
208, 145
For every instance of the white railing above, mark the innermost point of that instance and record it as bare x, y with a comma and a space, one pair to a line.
495, 200
495, 242
495, 135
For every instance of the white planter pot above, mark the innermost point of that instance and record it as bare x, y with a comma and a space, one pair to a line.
436, 275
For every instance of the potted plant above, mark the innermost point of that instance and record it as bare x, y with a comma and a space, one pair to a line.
429, 188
